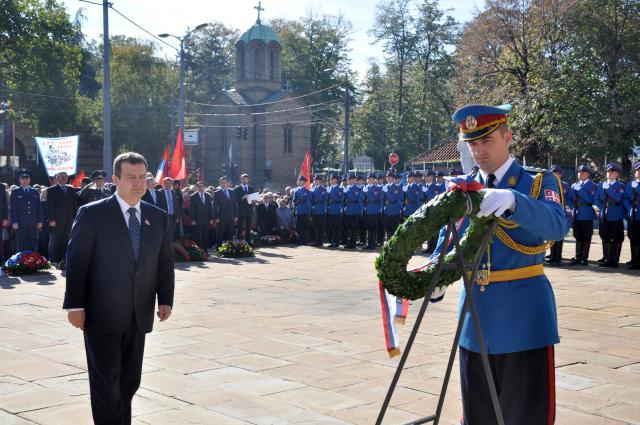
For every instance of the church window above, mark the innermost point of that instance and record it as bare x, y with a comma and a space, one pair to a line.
240, 71
272, 64
288, 138
259, 63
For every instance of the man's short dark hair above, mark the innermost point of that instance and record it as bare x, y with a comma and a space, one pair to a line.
132, 158
222, 179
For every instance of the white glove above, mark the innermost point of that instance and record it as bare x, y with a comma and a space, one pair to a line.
605, 185
438, 294
496, 202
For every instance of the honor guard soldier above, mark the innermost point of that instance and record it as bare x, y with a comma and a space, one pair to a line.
412, 194
302, 208
609, 199
381, 182
582, 198
362, 229
431, 190
27, 214
632, 204
515, 301
96, 190
319, 198
373, 199
441, 186
334, 210
393, 201
354, 203
555, 257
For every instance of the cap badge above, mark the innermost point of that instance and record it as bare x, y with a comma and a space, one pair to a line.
471, 122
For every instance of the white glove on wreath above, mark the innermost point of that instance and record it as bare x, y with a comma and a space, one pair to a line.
496, 202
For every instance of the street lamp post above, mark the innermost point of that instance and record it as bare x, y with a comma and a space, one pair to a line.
181, 88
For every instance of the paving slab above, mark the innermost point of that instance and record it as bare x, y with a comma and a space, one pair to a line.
294, 336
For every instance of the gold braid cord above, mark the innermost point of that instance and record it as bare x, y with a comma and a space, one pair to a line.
504, 237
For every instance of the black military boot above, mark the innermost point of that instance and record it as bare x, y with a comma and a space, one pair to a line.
616, 248
586, 247
606, 251
635, 257
578, 258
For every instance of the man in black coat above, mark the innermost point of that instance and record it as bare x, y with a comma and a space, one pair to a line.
170, 203
118, 262
62, 202
150, 195
96, 190
267, 219
245, 209
4, 215
178, 193
225, 209
201, 212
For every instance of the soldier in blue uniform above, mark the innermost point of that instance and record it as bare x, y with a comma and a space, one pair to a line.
319, 198
609, 199
393, 201
334, 210
440, 183
302, 207
373, 199
381, 183
362, 228
582, 197
632, 204
27, 214
555, 257
514, 298
412, 194
354, 204
431, 190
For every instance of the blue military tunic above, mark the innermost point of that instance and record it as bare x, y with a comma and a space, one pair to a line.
413, 196
354, 200
393, 199
519, 315
302, 200
609, 199
582, 197
632, 201
373, 200
26, 208
319, 199
335, 200
430, 190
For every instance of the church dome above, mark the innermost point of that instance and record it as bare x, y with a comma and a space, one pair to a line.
260, 32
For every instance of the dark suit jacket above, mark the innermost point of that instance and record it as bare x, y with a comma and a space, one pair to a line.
61, 206
199, 212
4, 203
244, 209
177, 203
148, 199
101, 275
224, 208
267, 219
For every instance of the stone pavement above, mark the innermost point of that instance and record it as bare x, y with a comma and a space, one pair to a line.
294, 335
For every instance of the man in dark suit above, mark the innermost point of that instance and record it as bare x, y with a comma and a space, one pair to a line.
96, 190
225, 210
267, 219
245, 209
177, 190
4, 215
170, 203
62, 202
201, 212
118, 261
150, 195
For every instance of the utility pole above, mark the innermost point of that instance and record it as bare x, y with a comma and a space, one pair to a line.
106, 90
347, 128
181, 91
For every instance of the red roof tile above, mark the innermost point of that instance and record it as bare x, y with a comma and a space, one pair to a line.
447, 151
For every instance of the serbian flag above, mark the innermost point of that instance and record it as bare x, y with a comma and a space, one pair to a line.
162, 168
78, 178
305, 169
178, 170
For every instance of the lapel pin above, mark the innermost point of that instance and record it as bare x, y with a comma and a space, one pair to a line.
147, 222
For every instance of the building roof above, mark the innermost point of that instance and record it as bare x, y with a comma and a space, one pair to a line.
260, 32
444, 152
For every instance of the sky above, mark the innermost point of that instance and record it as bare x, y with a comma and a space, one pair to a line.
174, 17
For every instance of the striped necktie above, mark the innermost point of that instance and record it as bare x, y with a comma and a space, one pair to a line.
135, 232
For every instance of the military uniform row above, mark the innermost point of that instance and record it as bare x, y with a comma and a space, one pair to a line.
366, 212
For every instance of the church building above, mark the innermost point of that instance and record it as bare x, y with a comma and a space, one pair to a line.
258, 124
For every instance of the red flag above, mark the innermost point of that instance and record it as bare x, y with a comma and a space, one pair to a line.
178, 170
305, 169
78, 179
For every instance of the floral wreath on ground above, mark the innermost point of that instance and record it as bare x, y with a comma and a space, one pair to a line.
234, 249
186, 249
26, 262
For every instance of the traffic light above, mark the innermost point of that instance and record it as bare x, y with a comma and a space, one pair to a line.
234, 172
225, 169
239, 131
245, 133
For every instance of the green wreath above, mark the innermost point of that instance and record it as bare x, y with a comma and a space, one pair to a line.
423, 225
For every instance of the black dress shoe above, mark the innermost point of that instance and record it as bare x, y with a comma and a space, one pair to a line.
574, 262
584, 262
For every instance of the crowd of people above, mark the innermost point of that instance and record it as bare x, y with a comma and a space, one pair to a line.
349, 210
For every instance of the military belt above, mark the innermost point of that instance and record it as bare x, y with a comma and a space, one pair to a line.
486, 277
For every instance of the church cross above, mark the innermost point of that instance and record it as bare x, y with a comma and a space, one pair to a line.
259, 8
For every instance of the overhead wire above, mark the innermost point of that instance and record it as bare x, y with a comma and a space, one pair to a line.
263, 113
265, 103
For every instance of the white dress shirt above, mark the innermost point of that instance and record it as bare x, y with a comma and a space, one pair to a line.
499, 173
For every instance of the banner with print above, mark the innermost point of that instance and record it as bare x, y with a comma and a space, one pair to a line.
59, 154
